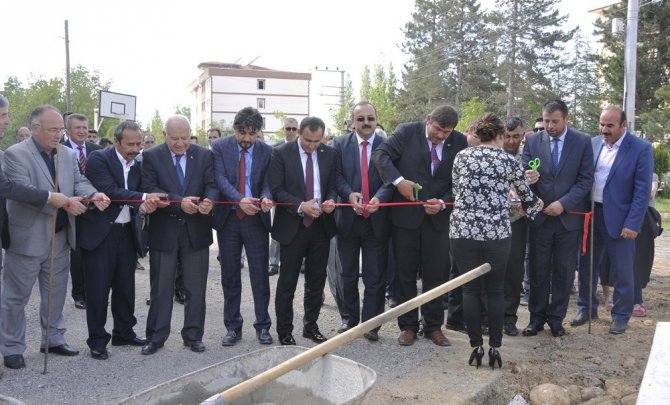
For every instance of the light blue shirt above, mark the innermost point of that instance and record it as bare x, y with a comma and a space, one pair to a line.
561, 142
182, 162
248, 159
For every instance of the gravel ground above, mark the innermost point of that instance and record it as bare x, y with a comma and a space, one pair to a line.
421, 373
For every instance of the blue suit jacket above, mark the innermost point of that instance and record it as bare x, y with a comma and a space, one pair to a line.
349, 181
227, 175
105, 172
572, 181
628, 186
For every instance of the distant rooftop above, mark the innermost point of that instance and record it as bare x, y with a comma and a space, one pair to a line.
225, 65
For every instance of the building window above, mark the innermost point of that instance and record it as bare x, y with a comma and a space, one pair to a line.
260, 103
263, 127
261, 84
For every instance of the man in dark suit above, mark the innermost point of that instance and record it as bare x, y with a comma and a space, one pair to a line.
301, 175
77, 135
621, 190
366, 227
240, 165
110, 240
563, 181
421, 153
181, 231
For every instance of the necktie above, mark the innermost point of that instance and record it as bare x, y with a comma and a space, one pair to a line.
365, 186
242, 181
180, 171
433, 157
554, 154
82, 159
309, 187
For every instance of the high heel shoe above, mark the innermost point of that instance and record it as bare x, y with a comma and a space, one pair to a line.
476, 356
494, 357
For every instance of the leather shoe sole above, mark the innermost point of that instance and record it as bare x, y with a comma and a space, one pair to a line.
287, 340
81, 304
582, 318
151, 348
314, 335
372, 336
407, 337
195, 345
14, 361
438, 338
100, 354
136, 341
532, 330
63, 350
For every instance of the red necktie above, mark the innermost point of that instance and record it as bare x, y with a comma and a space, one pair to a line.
82, 159
242, 182
309, 187
365, 186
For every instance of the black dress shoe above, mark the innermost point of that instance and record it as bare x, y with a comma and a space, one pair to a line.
180, 297
63, 350
231, 338
195, 345
273, 270
510, 329
557, 331
314, 335
80, 303
392, 302
582, 318
372, 336
344, 327
151, 347
136, 341
99, 354
532, 330
618, 327
14, 361
286, 340
264, 337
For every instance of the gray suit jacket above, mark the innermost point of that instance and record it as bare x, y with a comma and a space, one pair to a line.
30, 226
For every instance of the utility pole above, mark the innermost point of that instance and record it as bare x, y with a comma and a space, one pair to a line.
67, 68
630, 63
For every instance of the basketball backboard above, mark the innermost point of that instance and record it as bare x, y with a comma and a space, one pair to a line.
117, 105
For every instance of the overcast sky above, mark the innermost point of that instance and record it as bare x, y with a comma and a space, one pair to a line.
151, 49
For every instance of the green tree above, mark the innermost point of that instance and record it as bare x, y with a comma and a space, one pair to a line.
366, 83
157, 125
183, 110
653, 57
470, 110
584, 90
342, 114
661, 160
530, 37
382, 95
656, 123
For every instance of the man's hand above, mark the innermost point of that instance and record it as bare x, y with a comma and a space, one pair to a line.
155, 196
310, 209
248, 205
188, 205
74, 206
433, 206
532, 176
328, 206
373, 205
266, 204
406, 189
149, 206
355, 198
57, 200
554, 209
101, 201
628, 233
205, 206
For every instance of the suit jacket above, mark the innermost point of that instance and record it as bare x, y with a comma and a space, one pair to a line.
570, 183
227, 176
30, 225
406, 154
287, 184
90, 147
105, 172
628, 186
349, 181
159, 176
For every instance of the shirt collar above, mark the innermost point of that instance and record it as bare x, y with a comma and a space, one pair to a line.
249, 151
74, 145
40, 149
562, 137
430, 142
123, 161
370, 140
617, 144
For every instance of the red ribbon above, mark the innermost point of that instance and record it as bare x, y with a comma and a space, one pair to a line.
585, 236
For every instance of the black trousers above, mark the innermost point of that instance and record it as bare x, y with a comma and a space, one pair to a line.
111, 266
470, 254
77, 274
313, 244
427, 248
515, 270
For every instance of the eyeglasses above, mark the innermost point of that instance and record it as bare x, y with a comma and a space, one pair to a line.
290, 129
538, 129
53, 131
369, 119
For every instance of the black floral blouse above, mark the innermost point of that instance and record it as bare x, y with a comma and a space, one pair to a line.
482, 177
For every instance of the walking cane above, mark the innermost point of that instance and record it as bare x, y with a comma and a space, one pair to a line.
593, 219
52, 248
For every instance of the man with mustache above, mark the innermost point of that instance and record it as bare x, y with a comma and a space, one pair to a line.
240, 164
110, 240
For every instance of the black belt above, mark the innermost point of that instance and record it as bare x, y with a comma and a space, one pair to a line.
598, 204
121, 225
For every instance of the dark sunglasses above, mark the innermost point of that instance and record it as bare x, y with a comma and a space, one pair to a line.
538, 129
369, 119
290, 129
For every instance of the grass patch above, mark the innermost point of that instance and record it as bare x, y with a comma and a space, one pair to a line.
663, 204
